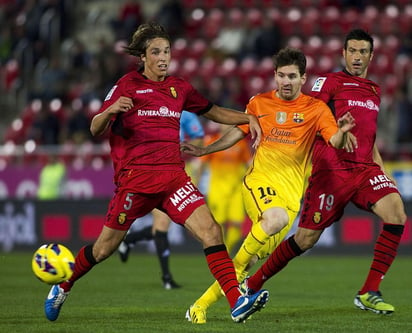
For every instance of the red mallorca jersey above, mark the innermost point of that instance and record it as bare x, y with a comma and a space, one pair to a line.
147, 136
344, 92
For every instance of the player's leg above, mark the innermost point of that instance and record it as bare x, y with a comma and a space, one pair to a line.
236, 214
218, 203
255, 245
294, 246
202, 225
233, 234
131, 239
391, 211
115, 228
88, 256
319, 210
269, 217
185, 205
161, 223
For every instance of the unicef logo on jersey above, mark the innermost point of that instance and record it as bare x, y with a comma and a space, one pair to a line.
164, 111
371, 105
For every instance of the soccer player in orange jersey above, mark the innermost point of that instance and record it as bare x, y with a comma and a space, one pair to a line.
340, 177
275, 182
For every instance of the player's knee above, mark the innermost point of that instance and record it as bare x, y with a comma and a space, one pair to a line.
306, 244
399, 217
304, 240
161, 223
211, 235
274, 220
101, 253
396, 216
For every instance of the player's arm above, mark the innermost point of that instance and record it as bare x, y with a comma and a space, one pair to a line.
230, 138
231, 117
101, 121
345, 124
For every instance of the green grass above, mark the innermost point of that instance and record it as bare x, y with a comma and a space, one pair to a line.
313, 294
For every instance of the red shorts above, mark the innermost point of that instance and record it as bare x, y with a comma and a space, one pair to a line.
138, 192
329, 191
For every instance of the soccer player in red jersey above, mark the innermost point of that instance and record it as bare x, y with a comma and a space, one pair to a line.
342, 176
142, 112
192, 130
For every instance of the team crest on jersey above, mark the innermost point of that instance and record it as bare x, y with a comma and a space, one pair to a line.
121, 219
281, 117
298, 117
267, 201
317, 86
317, 217
173, 92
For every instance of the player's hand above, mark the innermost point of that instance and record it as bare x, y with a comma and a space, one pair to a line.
351, 143
346, 122
193, 150
123, 104
255, 131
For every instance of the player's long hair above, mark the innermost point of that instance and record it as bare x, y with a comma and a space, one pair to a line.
290, 56
142, 37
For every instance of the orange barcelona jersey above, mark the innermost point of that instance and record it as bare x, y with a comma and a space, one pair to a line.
289, 130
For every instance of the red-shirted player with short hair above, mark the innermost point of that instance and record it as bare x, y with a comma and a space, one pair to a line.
142, 112
339, 177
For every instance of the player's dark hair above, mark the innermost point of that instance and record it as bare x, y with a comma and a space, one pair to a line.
290, 56
358, 34
142, 37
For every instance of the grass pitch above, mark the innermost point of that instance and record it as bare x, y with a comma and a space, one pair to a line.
313, 294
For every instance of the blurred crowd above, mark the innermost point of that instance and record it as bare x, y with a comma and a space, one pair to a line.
53, 79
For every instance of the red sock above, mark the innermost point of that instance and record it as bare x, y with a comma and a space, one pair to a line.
221, 266
385, 251
84, 262
286, 251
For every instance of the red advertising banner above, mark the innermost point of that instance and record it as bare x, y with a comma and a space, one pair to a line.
27, 224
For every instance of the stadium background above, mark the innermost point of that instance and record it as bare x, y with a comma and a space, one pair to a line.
59, 58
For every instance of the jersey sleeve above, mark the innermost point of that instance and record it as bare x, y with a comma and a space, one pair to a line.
327, 123
249, 110
112, 96
196, 102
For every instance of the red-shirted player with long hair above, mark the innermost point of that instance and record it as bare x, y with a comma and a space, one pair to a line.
142, 112
339, 177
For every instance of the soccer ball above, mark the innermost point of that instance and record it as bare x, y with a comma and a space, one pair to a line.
53, 263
